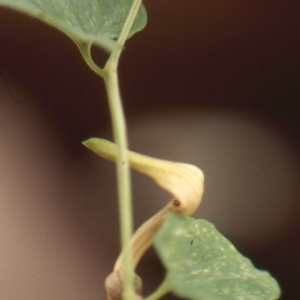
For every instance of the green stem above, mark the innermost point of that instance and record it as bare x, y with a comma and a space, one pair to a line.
162, 290
112, 62
109, 73
123, 174
120, 135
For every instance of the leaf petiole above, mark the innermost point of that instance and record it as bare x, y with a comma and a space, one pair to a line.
85, 50
162, 290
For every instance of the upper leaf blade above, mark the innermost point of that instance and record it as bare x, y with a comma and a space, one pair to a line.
97, 21
202, 264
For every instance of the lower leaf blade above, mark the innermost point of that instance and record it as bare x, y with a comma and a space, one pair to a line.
203, 264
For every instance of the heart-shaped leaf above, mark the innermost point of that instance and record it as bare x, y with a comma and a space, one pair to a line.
203, 264
96, 21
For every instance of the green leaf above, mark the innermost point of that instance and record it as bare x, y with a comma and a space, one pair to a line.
203, 264
85, 21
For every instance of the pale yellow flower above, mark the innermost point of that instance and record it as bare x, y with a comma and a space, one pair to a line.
184, 181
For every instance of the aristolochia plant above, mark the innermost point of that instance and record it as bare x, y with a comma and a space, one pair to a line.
200, 262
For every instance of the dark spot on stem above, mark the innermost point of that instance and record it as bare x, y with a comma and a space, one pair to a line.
192, 242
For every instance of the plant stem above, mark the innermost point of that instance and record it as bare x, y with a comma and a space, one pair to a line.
162, 290
114, 57
123, 175
120, 136
109, 73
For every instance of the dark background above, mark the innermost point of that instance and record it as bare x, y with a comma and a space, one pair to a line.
192, 54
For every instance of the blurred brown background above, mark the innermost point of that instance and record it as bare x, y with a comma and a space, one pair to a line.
213, 83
